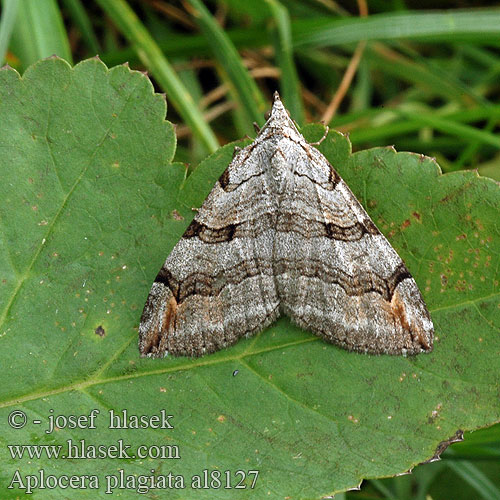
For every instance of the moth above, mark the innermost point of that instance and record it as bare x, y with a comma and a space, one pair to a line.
282, 234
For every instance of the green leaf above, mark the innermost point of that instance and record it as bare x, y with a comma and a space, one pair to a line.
91, 206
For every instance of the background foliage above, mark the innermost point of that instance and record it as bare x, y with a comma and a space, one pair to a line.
386, 73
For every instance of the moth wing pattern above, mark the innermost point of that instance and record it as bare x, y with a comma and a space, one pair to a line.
217, 284
282, 233
337, 275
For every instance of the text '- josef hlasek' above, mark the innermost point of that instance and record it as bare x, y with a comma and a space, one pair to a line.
36, 478
117, 420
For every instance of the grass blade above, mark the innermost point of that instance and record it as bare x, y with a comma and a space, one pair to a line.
328, 32
82, 20
421, 73
7, 21
481, 25
409, 124
39, 32
475, 477
453, 128
153, 58
227, 56
290, 87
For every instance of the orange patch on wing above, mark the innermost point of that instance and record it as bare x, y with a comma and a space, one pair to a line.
398, 311
169, 315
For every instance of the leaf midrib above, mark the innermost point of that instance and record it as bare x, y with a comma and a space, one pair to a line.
202, 362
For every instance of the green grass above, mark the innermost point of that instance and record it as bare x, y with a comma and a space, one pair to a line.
427, 82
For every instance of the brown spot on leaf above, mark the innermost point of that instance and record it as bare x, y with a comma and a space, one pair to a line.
176, 215
417, 216
100, 331
405, 224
